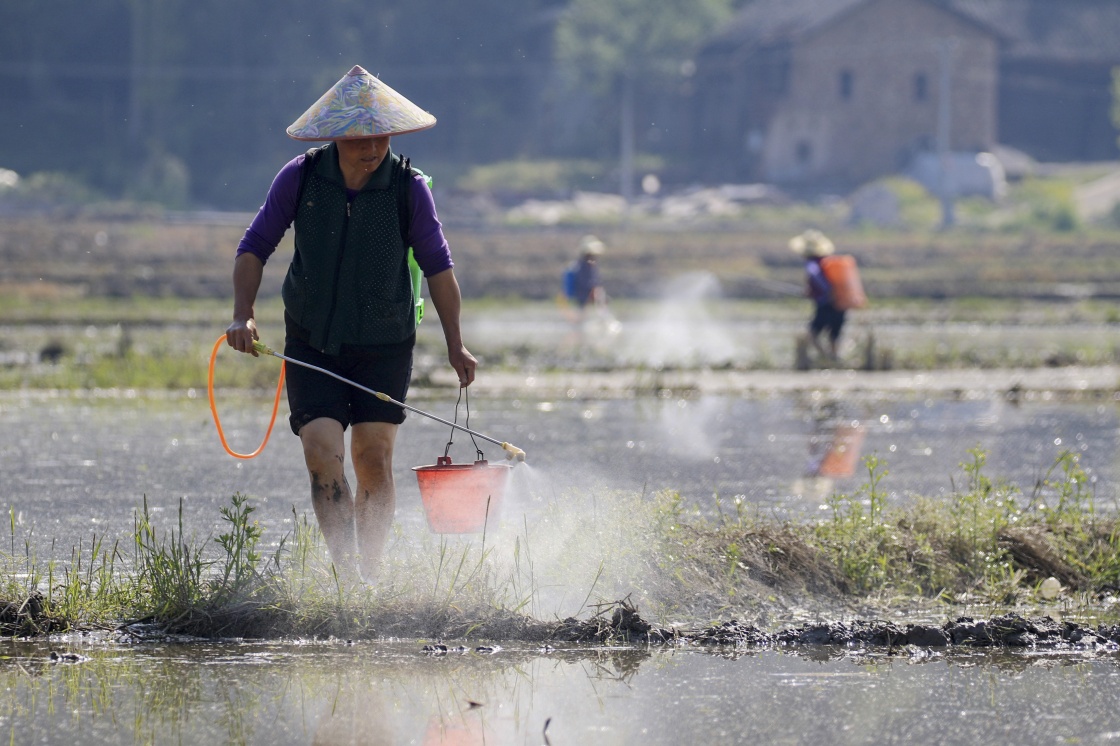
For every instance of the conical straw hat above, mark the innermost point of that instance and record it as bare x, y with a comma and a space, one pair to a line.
811, 243
359, 105
591, 245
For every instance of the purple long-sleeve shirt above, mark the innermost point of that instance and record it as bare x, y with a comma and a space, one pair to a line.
820, 290
425, 232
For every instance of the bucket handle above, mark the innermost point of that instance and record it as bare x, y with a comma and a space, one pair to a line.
446, 461
467, 423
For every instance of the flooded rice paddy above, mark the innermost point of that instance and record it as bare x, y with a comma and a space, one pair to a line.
78, 464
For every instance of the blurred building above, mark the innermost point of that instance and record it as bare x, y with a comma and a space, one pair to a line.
1055, 75
837, 92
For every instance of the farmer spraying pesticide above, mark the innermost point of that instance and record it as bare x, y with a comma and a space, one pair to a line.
832, 281
583, 287
350, 306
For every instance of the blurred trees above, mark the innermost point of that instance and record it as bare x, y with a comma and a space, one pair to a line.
187, 100
634, 55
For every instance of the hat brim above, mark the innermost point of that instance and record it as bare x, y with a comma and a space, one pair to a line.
805, 247
359, 106
311, 138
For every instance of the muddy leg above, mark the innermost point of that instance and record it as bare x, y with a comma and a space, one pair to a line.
376, 498
324, 453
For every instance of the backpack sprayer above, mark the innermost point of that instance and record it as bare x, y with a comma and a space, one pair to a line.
511, 451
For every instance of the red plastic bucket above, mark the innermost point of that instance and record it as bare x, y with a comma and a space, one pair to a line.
458, 498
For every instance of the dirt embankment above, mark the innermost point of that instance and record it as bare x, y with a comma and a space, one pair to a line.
623, 623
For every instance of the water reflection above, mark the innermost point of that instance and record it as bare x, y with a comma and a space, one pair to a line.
390, 693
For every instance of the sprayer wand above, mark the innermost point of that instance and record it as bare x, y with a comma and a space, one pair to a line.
512, 451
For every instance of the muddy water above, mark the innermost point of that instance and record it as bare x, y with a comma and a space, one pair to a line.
392, 693
80, 464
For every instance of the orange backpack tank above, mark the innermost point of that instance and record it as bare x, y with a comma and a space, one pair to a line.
843, 275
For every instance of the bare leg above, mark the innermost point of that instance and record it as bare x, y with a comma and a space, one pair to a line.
376, 499
324, 452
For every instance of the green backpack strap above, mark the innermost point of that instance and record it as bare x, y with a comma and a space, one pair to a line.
404, 217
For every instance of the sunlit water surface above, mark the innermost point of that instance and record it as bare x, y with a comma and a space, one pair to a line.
73, 466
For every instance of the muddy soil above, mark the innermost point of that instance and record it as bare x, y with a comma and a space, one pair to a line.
625, 624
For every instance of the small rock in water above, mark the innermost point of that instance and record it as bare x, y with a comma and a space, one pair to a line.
1050, 588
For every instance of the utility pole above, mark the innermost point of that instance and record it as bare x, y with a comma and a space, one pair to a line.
626, 144
946, 185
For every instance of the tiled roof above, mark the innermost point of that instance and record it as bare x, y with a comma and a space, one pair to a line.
1076, 30
1073, 30
764, 22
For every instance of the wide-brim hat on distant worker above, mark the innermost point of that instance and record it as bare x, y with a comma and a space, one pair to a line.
359, 105
591, 246
811, 243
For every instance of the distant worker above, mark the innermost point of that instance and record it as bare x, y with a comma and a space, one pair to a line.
834, 285
584, 284
583, 287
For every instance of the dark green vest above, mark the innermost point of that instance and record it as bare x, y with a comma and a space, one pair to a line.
348, 282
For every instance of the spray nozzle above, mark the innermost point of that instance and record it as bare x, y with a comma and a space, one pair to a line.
262, 348
513, 452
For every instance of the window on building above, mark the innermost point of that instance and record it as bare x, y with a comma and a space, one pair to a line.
774, 64
921, 87
847, 83
804, 152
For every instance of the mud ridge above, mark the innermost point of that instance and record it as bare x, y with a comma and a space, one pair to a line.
624, 624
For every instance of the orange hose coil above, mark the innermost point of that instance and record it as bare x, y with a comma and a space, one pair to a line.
214, 407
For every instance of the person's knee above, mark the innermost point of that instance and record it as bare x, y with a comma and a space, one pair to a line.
373, 462
372, 451
322, 445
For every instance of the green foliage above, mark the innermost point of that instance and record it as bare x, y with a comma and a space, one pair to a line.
978, 517
961, 546
240, 565
603, 39
161, 122
1046, 204
536, 177
170, 573
856, 532
43, 188
1063, 495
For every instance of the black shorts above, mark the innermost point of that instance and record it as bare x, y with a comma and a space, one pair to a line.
827, 317
311, 394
